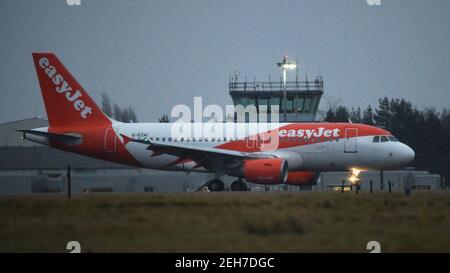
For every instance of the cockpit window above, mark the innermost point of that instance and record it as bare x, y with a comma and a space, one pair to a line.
384, 139
393, 138
376, 139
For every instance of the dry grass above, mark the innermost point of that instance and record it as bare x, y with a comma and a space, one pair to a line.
226, 222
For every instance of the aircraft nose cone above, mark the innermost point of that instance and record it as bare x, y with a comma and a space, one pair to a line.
407, 154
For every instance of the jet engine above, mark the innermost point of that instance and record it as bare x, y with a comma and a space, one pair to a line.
302, 178
266, 171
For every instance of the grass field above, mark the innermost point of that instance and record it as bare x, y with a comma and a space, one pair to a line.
226, 222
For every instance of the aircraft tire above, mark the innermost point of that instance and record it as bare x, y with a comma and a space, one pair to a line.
216, 185
239, 185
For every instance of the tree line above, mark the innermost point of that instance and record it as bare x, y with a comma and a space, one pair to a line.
113, 110
426, 131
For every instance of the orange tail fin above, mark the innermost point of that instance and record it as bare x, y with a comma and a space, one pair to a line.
66, 101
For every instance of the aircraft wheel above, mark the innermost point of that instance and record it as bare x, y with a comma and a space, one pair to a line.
216, 185
238, 185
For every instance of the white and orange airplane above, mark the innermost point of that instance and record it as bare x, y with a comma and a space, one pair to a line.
295, 154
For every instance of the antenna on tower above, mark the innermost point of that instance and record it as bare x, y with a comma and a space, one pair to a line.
236, 75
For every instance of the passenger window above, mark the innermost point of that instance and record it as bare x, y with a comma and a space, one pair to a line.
384, 139
169, 139
157, 139
376, 139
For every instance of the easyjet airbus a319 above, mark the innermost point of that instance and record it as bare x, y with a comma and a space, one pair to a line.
276, 153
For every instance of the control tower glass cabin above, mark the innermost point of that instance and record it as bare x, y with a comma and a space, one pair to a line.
302, 97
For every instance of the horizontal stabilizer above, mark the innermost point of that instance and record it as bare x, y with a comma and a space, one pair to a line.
41, 136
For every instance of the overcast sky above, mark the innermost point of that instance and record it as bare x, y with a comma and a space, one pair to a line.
155, 54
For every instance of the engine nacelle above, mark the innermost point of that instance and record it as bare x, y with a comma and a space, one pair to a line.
302, 178
294, 159
266, 171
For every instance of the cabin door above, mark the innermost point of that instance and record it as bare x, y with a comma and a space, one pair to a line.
350, 144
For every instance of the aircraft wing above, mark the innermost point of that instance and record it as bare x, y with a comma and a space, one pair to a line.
183, 149
208, 157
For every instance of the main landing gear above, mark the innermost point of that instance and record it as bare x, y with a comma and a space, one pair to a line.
215, 185
218, 185
238, 185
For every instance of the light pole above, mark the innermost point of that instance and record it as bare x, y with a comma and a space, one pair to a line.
285, 65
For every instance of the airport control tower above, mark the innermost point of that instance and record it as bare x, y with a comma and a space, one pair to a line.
298, 101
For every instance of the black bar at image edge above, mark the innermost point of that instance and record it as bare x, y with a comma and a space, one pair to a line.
224, 262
